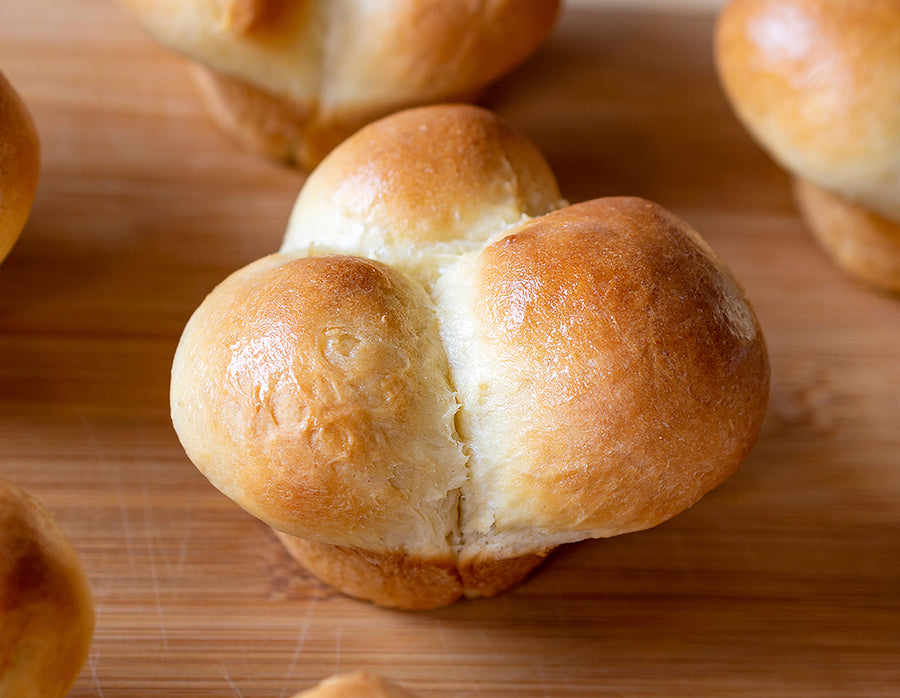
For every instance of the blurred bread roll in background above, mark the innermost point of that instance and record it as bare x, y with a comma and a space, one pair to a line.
447, 371
19, 165
817, 83
357, 684
293, 78
46, 610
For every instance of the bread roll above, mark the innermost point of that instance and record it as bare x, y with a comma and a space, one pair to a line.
446, 371
358, 684
46, 611
817, 83
293, 79
19, 165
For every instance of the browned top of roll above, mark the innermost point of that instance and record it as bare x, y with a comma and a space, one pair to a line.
817, 82
19, 165
425, 184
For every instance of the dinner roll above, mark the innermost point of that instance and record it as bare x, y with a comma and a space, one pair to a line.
817, 83
46, 611
19, 165
293, 79
357, 684
446, 371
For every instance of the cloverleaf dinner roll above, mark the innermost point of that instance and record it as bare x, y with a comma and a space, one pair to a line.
447, 371
46, 611
19, 165
293, 78
357, 684
817, 83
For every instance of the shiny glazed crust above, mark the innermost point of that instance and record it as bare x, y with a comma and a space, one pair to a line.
19, 165
357, 684
447, 372
46, 610
293, 79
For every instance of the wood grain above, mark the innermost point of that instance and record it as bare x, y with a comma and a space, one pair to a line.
784, 581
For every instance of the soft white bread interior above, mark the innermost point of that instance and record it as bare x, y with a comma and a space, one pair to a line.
817, 83
46, 610
293, 79
19, 165
439, 378
357, 684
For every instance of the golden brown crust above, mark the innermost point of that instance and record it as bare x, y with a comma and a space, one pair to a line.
483, 574
314, 392
19, 165
864, 244
595, 401
492, 385
358, 684
293, 79
46, 611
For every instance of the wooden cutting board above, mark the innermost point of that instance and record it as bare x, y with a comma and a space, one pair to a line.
784, 581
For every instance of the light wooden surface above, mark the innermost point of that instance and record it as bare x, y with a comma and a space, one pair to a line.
784, 581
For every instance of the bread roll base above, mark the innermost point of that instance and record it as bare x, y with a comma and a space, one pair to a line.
396, 580
864, 244
274, 126
264, 123
357, 684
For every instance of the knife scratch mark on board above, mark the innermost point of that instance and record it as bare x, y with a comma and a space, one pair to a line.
301, 641
182, 557
338, 642
231, 684
93, 660
153, 537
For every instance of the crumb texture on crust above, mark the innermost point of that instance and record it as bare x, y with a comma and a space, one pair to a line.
423, 375
46, 609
